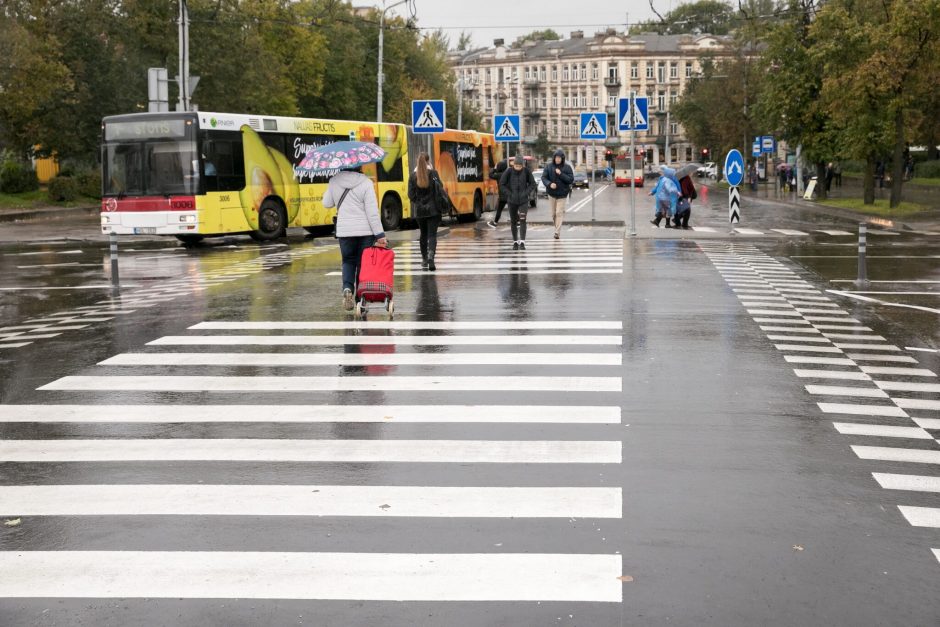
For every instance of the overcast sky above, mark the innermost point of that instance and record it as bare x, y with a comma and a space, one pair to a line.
487, 20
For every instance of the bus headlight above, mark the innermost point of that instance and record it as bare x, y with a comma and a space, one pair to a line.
189, 219
105, 219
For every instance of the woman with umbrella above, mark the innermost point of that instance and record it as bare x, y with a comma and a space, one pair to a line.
358, 225
423, 194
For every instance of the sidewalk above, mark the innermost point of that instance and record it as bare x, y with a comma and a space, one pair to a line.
46, 212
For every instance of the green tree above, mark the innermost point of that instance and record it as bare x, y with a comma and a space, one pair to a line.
704, 16
542, 148
547, 34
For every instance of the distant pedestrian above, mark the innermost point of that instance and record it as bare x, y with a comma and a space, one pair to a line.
496, 174
666, 194
358, 225
880, 173
518, 184
829, 174
423, 192
752, 176
837, 174
557, 178
687, 194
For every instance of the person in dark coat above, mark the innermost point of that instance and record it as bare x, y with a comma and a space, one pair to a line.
518, 184
496, 174
425, 207
558, 177
687, 194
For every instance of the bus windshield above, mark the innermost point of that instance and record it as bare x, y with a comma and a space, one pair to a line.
156, 160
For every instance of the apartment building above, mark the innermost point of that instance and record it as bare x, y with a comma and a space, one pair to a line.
550, 82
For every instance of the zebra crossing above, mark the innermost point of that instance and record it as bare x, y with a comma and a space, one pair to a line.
867, 384
374, 424
471, 257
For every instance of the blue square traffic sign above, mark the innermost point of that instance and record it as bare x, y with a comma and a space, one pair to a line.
767, 143
639, 121
507, 128
428, 116
593, 125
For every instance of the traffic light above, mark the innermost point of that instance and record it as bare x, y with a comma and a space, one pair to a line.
609, 155
704, 153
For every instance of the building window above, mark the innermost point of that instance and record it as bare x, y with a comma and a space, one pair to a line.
583, 71
567, 101
527, 74
661, 72
566, 131
611, 71
489, 102
544, 101
542, 74
595, 71
554, 102
649, 71
634, 70
688, 69
674, 70
673, 128
554, 72
611, 101
661, 101
673, 98
595, 102
565, 74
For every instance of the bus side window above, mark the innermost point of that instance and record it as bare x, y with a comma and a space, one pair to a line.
227, 160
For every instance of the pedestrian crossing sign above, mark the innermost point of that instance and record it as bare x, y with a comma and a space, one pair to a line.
593, 125
640, 118
507, 128
427, 116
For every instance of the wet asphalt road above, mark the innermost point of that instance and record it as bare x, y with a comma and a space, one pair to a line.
683, 410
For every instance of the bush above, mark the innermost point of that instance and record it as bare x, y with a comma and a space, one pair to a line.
17, 177
928, 169
63, 189
89, 183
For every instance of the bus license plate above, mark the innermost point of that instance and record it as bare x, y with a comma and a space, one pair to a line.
145, 230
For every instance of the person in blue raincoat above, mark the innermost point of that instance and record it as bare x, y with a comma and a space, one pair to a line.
666, 193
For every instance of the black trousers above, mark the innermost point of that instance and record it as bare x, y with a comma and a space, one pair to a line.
499, 209
517, 216
428, 240
682, 218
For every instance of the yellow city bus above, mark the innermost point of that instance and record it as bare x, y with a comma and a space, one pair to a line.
198, 174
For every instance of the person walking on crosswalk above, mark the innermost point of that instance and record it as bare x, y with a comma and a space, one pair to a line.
518, 185
423, 186
558, 177
497, 173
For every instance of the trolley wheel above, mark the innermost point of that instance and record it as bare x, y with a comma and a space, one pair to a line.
390, 307
359, 309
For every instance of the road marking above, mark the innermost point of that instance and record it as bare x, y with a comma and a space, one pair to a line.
310, 500
841, 327
807, 349
365, 451
886, 411
827, 232
835, 390
909, 372
773, 312
921, 516
363, 359
891, 454
928, 423
470, 272
798, 338
305, 575
786, 321
922, 350
466, 325
832, 374
526, 414
907, 386
917, 403
886, 303
402, 340
805, 359
330, 384
703, 229
887, 358
914, 483
744, 231
15, 345
884, 431
790, 330
850, 336
868, 347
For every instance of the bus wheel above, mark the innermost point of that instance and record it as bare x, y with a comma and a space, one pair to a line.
477, 206
190, 240
391, 213
272, 223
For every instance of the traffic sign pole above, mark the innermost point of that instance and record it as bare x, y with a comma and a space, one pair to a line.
593, 171
632, 167
633, 115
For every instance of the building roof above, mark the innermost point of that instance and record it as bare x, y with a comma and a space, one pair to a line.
601, 44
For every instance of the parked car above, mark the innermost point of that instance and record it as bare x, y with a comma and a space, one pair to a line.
581, 180
709, 170
538, 180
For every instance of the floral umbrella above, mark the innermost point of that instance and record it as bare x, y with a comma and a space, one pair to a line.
340, 156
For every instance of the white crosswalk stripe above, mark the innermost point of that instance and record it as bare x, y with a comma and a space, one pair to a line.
390, 361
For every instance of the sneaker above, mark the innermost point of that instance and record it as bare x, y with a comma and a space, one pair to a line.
491, 224
347, 299
557, 236
515, 245
521, 245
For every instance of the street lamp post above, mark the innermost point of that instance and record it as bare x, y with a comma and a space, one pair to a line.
381, 76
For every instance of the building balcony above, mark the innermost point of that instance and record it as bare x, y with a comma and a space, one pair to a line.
529, 139
531, 83
532, 113
612, 81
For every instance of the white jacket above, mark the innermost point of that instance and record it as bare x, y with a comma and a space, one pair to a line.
359, 214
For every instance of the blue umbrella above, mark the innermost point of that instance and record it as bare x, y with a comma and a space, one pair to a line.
340, 156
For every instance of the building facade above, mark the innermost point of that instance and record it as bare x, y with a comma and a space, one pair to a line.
550, 82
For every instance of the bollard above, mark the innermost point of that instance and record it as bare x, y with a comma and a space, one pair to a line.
862, 242
112, 242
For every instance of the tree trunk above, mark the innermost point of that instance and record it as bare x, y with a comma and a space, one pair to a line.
821, 181
868, 181
897, 165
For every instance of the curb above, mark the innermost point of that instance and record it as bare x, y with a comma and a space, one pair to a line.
35, 214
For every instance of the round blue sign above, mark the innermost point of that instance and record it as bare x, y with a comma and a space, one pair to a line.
734, 168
